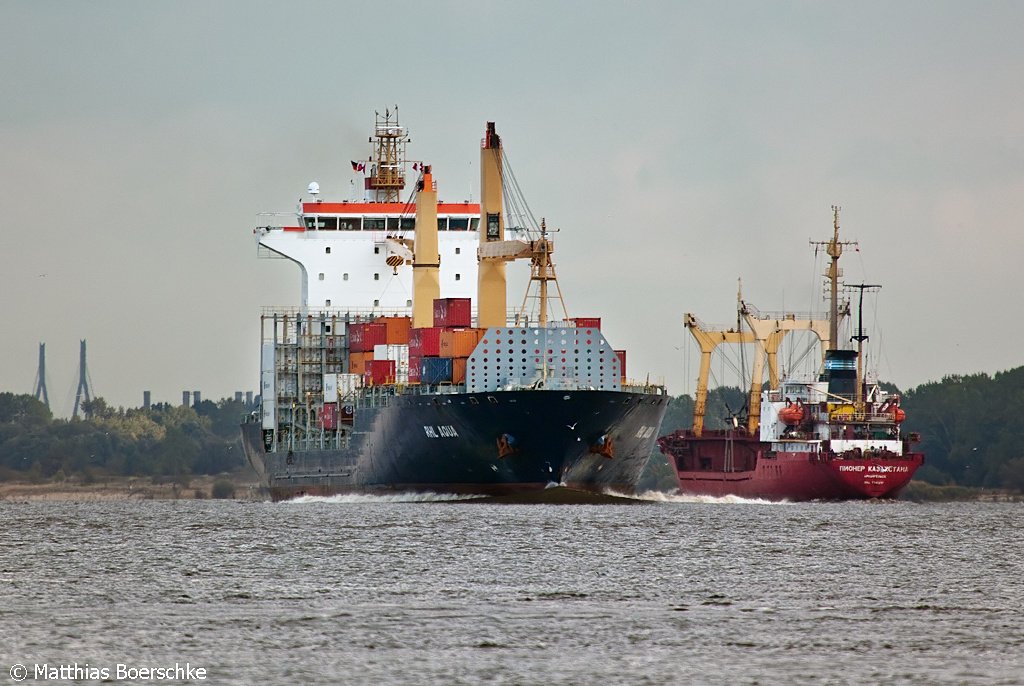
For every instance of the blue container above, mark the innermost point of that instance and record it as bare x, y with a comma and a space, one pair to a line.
436, 370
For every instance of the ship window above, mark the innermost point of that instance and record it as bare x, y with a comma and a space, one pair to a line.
408, 303
376, 277
321, 276
344, 277
376, 303
458, 224
327, 250
374, 224
407, 224
328, 305
442, 223
458, 251
474, 224
376, 250
350, 224
321, 223
458, 277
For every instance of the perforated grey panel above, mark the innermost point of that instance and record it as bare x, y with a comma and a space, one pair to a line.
561, 355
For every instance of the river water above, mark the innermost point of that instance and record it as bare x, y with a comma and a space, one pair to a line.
375, 591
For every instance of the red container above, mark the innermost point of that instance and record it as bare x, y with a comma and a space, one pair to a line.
379, 372
364, 335
459, 370
396, 329
425, 342
329, 416
621, 354
460, 342
587, 322
452, 312
415, 368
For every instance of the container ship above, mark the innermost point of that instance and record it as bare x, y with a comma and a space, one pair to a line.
404, 370
833, 436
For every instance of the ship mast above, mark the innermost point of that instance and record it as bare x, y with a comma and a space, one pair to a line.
860, 337
834, 249
387, 162
542, 270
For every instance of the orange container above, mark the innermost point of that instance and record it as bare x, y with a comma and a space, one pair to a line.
459, 342
357, 362
396, 329
458, 370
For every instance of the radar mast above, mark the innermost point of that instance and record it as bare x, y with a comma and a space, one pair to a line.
387, 161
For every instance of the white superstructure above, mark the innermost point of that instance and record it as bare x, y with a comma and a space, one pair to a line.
351, 253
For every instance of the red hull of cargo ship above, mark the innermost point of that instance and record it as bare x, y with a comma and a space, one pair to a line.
723, 463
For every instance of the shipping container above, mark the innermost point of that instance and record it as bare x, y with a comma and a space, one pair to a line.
458, 370
329, 416
425, 342
621, 354
357, 362
587, 322
330, 388
398, 353
436, 370
415, 368
453, 312
460, 342
348, 384
364, 335
396, 329
379, 372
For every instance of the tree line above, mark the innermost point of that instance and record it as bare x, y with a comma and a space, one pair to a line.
162, 441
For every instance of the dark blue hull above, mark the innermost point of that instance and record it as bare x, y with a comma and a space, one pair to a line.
479, 443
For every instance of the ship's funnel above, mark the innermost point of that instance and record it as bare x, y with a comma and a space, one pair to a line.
491, 291
426, 257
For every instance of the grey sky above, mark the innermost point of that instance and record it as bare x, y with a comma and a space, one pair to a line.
677, 145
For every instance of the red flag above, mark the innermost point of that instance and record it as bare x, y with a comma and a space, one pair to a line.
358, 166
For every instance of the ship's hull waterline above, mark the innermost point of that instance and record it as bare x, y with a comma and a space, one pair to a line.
475, 443
718, 464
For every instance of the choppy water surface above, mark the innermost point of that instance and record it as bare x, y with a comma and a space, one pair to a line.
374, 591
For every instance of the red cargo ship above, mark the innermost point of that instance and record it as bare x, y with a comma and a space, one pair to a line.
832, 437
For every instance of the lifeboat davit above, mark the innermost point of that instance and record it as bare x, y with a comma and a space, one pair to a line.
792, 415
892, 407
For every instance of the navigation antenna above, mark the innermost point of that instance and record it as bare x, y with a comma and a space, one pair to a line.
84, 387
387, 161
40, 391
834, 248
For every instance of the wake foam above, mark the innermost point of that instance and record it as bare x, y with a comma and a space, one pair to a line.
662, 497
362, 498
